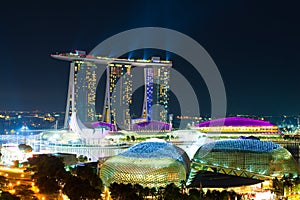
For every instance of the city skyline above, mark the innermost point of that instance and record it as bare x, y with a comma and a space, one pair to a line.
254, 45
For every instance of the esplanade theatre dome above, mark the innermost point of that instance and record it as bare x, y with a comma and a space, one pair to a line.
152, 163
247, 158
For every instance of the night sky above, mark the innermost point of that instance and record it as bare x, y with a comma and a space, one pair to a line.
255, 45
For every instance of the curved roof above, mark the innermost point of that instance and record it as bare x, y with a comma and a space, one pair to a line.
234, 121
151, 164
245, 158
217, 180
241, 145
156, 149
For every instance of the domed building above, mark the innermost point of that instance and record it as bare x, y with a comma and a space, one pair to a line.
249, 159
232, 126
153, 163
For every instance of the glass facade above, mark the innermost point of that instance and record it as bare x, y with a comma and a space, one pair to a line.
156, 89
118, 95
151, 164
86, 81
83, 80
246, 158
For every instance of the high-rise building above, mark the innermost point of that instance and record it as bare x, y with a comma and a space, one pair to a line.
83, 82
156, 93
86, 86
85, 73
118, 95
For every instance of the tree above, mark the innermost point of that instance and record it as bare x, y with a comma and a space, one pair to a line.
48, 166
172, 192
49, 172
139, 190
26, 148
86, 173
24, 191
76, 189
288, 183
48, 185
146, 192
3, 182
123, 192
52, 176
182, 186
152, 192
277, 186
7, 196
195, 194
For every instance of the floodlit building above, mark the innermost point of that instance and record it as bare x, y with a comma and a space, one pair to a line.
156, 92
245, 158
85, 73
83, 80
153, 163
150, 127
233, 126
11, 153
118, 95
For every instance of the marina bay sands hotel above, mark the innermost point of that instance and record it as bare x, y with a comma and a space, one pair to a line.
85, 74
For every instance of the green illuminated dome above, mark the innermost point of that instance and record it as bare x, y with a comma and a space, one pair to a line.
245, 158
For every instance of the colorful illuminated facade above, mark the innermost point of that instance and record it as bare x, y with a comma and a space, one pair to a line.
151, 164
85, 91
151, 127
156, 93
85, 72
83, 81
118, 95
238, 125
248, 158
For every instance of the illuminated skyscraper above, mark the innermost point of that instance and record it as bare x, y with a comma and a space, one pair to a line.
85, 72
156, 92
86, 86
118, 95
83, 82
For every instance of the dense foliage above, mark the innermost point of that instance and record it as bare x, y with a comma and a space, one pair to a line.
170, 192
51, 176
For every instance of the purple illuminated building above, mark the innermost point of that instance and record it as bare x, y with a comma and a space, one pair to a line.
237, 125
108, 126
235, 121
152, 126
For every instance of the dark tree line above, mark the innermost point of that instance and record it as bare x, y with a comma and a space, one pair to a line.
170, 192
51, 176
